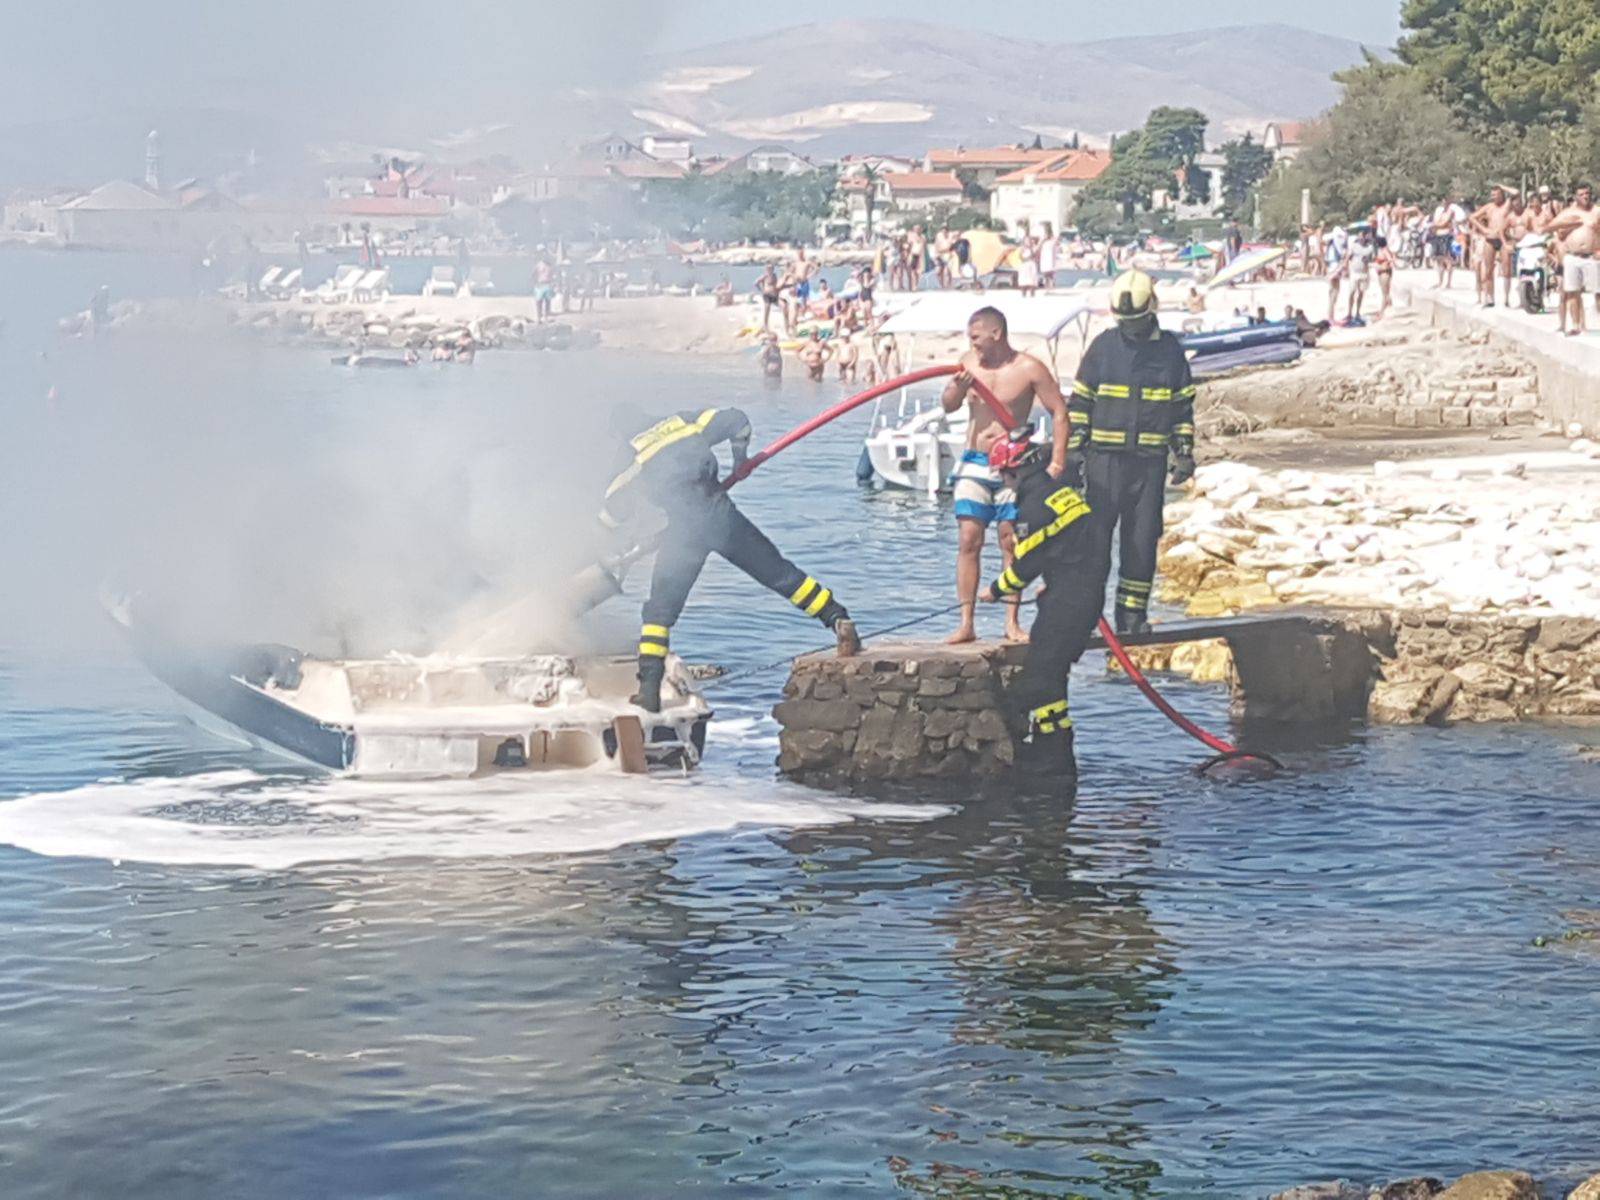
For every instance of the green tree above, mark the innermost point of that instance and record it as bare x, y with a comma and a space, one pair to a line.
1149, 158
1524, 63
1246, 162
1387, 138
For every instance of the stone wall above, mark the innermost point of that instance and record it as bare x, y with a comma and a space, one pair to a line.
901, 711
1407, 376
1568, 389
1451, 667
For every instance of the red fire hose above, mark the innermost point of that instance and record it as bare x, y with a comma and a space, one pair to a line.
1223, 750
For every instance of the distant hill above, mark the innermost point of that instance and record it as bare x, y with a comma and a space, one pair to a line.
884, 86
902, 86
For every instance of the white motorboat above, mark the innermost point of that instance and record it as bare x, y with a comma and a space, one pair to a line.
434, 717
912, 442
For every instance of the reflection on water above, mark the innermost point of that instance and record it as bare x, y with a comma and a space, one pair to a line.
223, 977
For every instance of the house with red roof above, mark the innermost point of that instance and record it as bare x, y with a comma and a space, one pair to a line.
1285, 139
985, 164
1044, 192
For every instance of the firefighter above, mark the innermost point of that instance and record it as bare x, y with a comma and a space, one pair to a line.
672, 467
1056, 540
1132, 404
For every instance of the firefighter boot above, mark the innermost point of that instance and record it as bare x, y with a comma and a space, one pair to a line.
1132, 620
651, 672
1046, 763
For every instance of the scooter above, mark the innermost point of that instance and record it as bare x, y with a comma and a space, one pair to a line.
1533, 271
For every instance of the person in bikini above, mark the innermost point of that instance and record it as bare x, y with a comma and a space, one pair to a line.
1017, 380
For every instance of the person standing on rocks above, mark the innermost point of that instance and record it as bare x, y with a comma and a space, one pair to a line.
671, 465
1132, 404
1016, 380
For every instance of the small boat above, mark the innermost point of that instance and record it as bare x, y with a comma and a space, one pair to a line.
1219, 350
429, 718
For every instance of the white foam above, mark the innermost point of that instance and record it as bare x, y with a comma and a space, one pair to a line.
279, 822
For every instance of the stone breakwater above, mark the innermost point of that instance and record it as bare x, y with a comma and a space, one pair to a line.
421, 329
1516, 535
1480, 1185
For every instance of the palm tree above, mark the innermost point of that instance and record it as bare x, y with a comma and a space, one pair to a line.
871, 174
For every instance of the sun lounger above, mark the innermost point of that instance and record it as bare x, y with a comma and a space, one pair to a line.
442, 282
270, 280
479, 282
335, 290
288, 283
370, 286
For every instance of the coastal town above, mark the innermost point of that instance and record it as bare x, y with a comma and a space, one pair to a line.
734, 612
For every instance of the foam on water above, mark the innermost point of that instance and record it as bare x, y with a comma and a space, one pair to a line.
245, 818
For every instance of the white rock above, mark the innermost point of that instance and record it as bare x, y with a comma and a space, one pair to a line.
1574, 429
1445, 473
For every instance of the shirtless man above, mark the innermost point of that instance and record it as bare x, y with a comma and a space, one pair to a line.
1017, 381
1489, 223
849, 357
814, 353
1578, 228
1441, 233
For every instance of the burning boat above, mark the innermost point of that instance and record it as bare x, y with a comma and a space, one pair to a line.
433, 717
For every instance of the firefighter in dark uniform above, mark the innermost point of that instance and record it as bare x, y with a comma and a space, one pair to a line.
1132, 404
1056, 540
672, 467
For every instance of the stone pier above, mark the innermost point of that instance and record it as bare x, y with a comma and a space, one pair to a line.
907, 711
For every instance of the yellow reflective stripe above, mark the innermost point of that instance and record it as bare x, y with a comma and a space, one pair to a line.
1183, 429
666, 433
651, 650
798, 597
1153, 439
1114, 390
1039, 536
819, 603
1115, 436
1080, 388
1135, 585
622, 480
656, 631
1187, 393
1156, 393
1009, 582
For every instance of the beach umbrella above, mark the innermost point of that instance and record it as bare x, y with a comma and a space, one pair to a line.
1195, 253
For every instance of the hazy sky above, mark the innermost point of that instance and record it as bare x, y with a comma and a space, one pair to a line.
364, 57
1376, 22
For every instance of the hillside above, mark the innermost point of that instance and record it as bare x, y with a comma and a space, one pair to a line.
903, 86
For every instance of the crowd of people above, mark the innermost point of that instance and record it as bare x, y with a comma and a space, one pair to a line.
1559, 239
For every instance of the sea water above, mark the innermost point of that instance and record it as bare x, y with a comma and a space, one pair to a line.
222, 975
